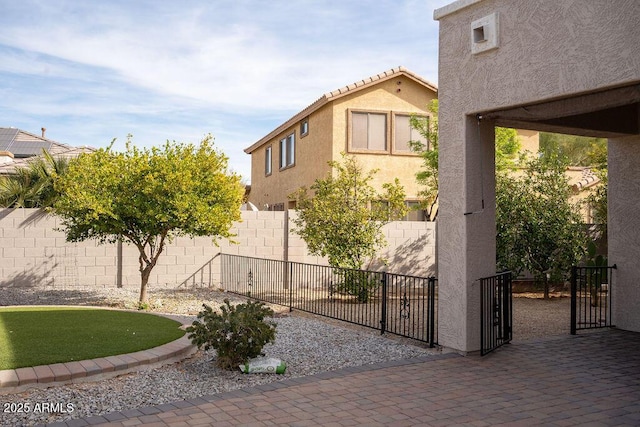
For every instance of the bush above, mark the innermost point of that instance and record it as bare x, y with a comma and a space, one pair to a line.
238, 333
360, 284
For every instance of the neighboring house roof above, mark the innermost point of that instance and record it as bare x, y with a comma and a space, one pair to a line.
25, 145
581, 178
338, 93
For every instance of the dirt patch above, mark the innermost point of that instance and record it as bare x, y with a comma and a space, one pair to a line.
534, 317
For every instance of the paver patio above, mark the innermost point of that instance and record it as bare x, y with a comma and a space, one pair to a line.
588, 379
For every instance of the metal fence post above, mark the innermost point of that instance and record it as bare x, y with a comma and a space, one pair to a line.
432, 310
574, 298
289, 284
383, 315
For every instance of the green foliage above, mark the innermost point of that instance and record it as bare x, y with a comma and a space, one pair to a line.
579, 150
594, 259
507, 147
597, 201
427, 177
358, 283
584, 151
597, 275
32, 186
149, 196
237, 334
538, 229
343, 220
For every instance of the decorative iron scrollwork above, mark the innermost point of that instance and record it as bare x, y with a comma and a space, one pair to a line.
405, 307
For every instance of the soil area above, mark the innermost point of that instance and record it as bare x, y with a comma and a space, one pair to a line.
534, 317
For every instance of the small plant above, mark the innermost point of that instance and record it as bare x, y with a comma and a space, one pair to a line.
360, 284
237, 334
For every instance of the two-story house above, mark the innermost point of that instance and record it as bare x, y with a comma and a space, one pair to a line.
368, 119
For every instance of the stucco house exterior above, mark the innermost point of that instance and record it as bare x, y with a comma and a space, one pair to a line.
368, 119
558, 66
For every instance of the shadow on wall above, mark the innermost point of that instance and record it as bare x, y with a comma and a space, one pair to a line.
410, 259
29, 279
34, 216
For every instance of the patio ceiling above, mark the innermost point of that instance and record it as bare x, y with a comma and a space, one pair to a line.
610, 113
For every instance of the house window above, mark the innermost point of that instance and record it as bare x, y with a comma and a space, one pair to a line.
304, 127
414, 212
287, 151
267, 161
368, 131
404, 132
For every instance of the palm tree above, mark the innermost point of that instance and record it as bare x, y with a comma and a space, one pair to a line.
33, 186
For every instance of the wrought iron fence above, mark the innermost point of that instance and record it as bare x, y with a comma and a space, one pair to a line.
397, 304
591, 289
496, 312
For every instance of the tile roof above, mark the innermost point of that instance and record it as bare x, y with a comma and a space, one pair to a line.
581, 178
338, 93
25, 145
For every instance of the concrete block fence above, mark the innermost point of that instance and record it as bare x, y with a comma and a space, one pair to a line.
35, 253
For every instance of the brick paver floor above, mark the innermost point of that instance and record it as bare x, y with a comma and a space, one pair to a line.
591, 379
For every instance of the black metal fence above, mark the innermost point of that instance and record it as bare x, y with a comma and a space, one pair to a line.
591, 289
393, 303
496, 312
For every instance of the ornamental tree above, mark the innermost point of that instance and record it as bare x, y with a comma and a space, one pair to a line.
146, 197
343, 219
538, 229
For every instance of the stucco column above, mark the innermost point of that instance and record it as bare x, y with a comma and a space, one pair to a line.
466, 225
624, 230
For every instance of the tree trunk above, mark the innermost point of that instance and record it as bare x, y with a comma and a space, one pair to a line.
144, 276
546, 287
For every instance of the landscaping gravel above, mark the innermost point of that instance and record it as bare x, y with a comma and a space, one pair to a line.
306, 344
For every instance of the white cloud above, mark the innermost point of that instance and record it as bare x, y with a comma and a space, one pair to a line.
175, 70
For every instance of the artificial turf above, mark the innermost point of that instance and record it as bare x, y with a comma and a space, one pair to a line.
32, 336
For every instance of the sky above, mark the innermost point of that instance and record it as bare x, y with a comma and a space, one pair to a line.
90, 71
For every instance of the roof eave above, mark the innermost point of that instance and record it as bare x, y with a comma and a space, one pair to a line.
339, 93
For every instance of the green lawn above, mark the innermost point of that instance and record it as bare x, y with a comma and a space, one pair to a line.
31, 336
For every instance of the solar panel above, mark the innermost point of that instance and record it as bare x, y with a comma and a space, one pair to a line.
22, 144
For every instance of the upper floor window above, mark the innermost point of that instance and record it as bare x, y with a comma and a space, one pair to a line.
304, 127
404, 132
368, 131
287, 151
268, 160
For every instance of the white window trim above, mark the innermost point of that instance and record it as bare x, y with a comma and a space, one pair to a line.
268, 160
285, 154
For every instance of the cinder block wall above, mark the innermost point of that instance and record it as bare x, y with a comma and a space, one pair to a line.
35, 253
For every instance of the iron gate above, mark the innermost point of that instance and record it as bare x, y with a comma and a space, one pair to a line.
591, 289
496, 312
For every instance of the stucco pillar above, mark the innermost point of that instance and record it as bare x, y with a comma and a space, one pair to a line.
624, 230
466, 225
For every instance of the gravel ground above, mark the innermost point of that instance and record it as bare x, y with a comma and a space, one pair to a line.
534, 317
306, 344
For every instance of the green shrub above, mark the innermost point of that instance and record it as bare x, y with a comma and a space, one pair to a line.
358, 283
238, 333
